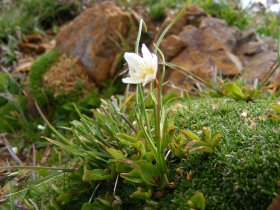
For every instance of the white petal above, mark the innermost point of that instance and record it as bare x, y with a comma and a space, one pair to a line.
133, 60
146, 55
155, 63
149, 78
130, 80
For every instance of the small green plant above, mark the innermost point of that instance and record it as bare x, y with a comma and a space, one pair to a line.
108, 202
238, 89
235, 15
156, 7
276, 108
187, 143
9, 51
227, 10
197, 202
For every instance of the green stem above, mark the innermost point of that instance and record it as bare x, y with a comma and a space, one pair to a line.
148, 137
162, 163
170, 25
37, 168
158, 111
163, 73
142, 23
143, 108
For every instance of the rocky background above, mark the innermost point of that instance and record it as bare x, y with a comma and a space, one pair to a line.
197, 42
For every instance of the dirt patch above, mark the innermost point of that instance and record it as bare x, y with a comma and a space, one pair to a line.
67, 75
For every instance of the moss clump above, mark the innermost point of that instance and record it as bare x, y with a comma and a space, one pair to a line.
38, 68
243, 172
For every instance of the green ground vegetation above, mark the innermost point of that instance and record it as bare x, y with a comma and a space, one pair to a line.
240, 170
241, 173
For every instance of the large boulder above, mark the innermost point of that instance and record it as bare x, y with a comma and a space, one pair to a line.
93, 37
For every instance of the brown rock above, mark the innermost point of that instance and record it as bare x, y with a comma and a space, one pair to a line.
192, 16
251, 48
200, 62
213, 23
92, 36
259, 65
248, 35
171, 46
275, 205
213, 39
271, 43
212, 43
187, 33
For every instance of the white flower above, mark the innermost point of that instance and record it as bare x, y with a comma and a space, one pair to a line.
41, 127
141, 69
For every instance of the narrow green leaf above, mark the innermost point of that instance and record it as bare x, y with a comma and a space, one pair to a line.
141, 194
199, 201
54, 203
170, 25
40, 180
103, 204
89, 206
205, 149
232, 90
96, 174
274, 118
168, 135
177, 150
100, 116
132, 176
207, 136
276, 107
115, 153
143, 171
56, 189
179, 137
129, 140
65, 198
216, 139
149, 156
190, 134
51, 127
126, 139
34, 205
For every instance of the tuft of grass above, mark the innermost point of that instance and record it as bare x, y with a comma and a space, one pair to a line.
228, 11
27, 15
9, 116
156, 7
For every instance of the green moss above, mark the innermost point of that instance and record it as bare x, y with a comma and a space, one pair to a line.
38, 68
244, 170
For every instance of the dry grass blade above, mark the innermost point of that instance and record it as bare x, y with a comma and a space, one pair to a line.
50, 125
10, 150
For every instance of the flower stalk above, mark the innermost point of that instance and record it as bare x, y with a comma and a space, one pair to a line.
143, 70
